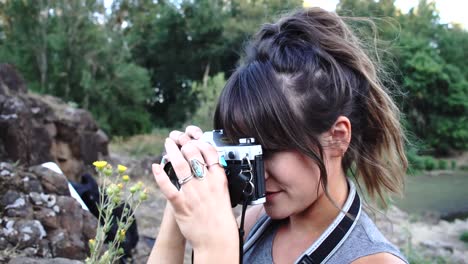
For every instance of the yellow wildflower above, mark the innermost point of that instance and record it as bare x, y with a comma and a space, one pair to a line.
108, 170
121, 168
144, 195
125, 178
135, 188
121, 234
120, 185
92, 244
100, 164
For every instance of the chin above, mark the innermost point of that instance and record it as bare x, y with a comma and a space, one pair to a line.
276, 213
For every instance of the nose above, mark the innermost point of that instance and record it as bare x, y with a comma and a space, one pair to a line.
267, 174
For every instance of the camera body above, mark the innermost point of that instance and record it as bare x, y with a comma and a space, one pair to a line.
243, 165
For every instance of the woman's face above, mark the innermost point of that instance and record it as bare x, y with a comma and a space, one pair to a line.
291, 181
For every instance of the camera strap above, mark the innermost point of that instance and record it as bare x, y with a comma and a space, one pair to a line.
246, 172
330, 240
336, 233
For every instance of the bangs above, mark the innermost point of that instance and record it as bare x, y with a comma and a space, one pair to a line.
253, 104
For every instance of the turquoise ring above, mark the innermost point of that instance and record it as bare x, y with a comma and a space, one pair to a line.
198, 168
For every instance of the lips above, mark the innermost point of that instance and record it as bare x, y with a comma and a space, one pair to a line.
270, 195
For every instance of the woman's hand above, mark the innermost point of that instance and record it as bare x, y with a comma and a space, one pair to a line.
201, 207
182, 138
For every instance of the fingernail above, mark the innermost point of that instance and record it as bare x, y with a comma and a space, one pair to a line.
163, 161
198, 134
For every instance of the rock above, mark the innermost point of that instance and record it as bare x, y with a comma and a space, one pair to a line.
40, 128
43, 224
47, 217
10, 81
21, 208
43, 249
39, 218
3, 243
4, 166
9, 198
64, 245
31, 183
89, 225
52, 182
29, 233
70, 217
26, 260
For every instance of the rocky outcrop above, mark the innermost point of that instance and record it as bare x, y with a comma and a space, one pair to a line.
39, 218
36, 129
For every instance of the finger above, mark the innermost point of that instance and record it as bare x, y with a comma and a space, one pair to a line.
164, 160
165, 185
179, 137
192, 153
193, 132
179, 163
210, 155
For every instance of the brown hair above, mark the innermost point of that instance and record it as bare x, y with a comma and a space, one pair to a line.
298, 76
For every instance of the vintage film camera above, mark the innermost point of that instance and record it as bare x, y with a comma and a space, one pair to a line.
243, 164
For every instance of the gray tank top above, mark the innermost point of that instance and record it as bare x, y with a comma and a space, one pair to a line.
363, 240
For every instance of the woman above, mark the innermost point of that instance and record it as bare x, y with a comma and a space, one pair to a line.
312, 98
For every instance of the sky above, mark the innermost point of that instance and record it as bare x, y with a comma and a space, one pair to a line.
449, 10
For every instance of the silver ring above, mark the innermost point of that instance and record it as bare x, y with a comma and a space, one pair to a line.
185, 180
212, 164
198, 168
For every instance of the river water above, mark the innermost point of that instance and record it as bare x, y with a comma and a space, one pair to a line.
445, 193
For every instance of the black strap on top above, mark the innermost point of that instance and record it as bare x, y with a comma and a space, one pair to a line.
336, 236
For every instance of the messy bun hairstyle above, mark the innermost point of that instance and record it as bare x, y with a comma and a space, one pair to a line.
298, 76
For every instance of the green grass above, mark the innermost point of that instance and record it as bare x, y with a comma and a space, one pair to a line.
140, 145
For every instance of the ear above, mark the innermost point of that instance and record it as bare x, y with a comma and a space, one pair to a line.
338, 137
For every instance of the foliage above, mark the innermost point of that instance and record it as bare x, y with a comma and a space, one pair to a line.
464, 237
453, 164
180, 42
207, 95
64, 49
429, 163
431, 70
442, 164
114, 184
415, 161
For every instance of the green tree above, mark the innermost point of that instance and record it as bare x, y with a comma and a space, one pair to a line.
207, 93
64, 48
428, 68
180, 42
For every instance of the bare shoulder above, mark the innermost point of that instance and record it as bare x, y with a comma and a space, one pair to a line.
252, 214
384, 258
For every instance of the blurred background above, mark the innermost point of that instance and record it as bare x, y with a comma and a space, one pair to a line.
144, 67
